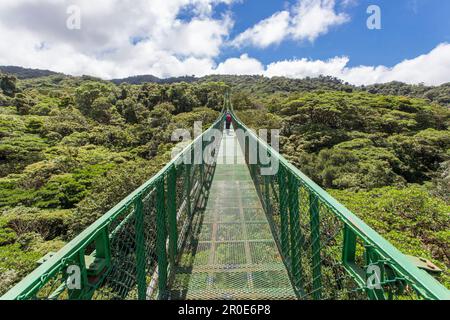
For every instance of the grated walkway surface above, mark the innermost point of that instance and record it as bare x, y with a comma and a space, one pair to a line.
233, 254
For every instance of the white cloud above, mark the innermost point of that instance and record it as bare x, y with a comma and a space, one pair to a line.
432, 68
199, 38
33, 33
240, 66
267, 32
308, 20
301, 68
348, 3
313, 18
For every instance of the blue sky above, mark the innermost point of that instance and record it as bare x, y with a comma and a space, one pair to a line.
409, 28
294, 38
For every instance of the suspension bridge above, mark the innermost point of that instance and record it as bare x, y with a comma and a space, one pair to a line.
223, 230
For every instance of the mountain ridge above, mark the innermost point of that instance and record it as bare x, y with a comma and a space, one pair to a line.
263, 84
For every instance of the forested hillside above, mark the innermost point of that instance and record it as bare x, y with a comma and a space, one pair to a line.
280, 85
72, 147
26, 73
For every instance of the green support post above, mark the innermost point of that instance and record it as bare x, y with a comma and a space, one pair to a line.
375, 277
315, 245
349, 247
79, 294
172, 212
103, 247
296, 248
187, 182
140, 249
161, 236
283, 213
349, 256
202, 169
267, 195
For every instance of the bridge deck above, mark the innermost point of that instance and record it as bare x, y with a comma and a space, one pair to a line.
233, 254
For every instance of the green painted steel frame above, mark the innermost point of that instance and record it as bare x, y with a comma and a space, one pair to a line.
424, 284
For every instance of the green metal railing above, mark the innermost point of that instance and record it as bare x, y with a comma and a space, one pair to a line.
329, 252
131, 251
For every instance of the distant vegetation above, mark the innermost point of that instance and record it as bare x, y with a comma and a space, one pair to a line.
72, 147
280, 85
153, 79
25, 73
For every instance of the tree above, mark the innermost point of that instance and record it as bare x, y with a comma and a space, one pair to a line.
23, 104
441, 183
241, 101
87, 93
8, 85
132, 111
101, 110
422, 153
182, 97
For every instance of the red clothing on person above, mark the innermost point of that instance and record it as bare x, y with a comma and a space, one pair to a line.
228, 120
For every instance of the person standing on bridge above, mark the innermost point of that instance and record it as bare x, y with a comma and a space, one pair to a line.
228, 120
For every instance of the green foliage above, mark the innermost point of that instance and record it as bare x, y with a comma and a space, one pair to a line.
132, 111
16, 261
26, 234
264, 86
8, 85
210, 94
4, 102
17, 152
66, 123
48, 224
61, 191
23, 103
440, 94
35, 125
241, 101
422, 153
182, 97
101, 110
358, 140
260, 119
45, 105
186, 120
94, 99
352, 166
441, 182
112, 188
19, 262
411, 219
7, 234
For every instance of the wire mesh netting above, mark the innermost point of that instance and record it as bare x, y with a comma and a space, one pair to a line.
232, 254
326, 256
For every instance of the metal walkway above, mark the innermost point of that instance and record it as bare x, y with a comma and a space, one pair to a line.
233, 255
